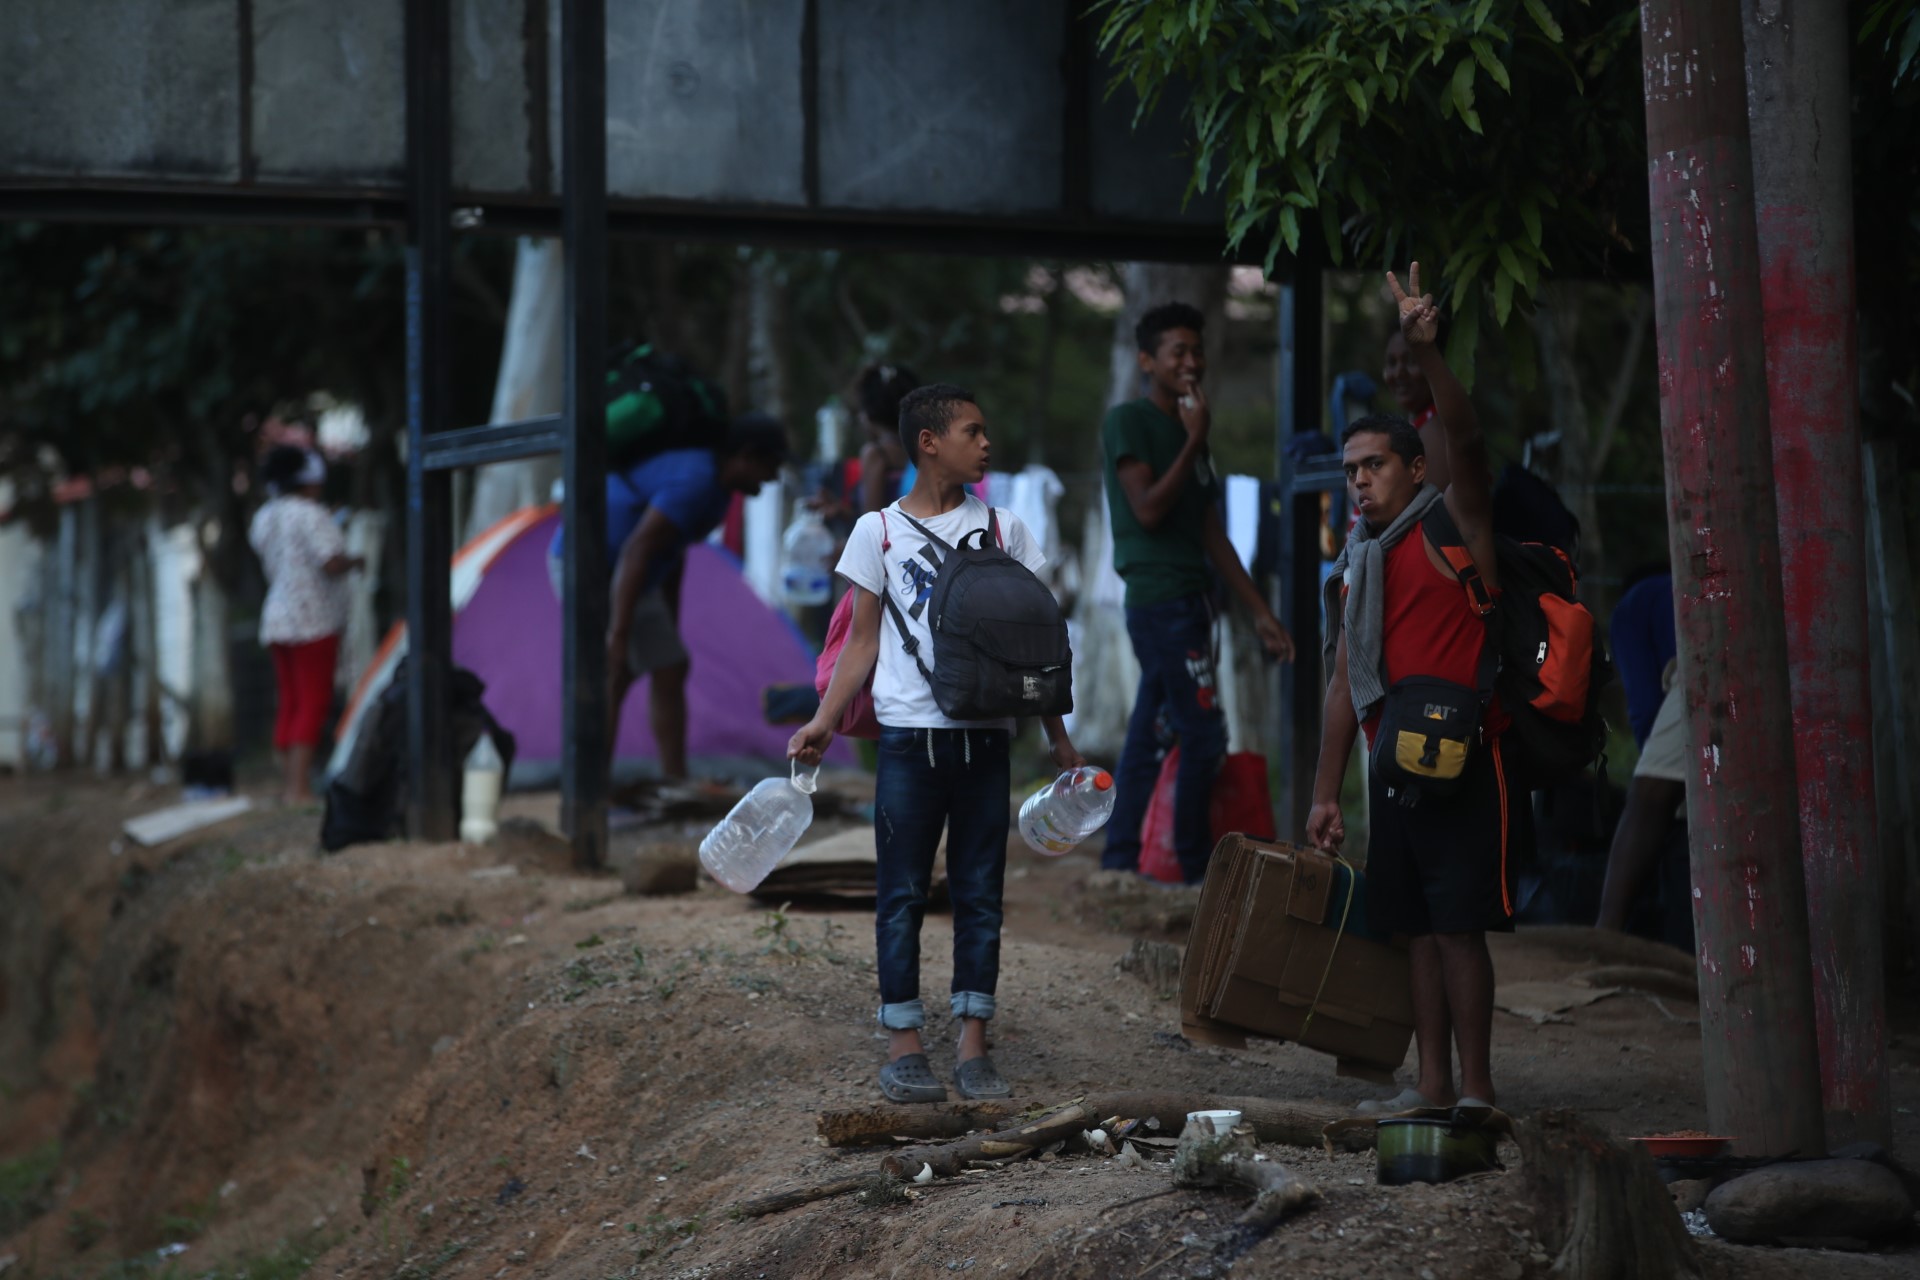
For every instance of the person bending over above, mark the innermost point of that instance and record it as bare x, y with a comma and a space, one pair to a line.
656, 509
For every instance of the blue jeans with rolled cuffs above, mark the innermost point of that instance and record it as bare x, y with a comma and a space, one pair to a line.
929, 780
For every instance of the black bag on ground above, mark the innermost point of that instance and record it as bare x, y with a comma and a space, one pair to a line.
367, 800
999, 640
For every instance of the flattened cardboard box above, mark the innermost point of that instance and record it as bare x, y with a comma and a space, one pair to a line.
1267, 957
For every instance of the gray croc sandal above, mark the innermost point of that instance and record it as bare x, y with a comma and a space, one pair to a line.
1405, 1100
908, 1078
979, 1079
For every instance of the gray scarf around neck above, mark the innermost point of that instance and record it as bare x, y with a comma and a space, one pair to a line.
1363, 567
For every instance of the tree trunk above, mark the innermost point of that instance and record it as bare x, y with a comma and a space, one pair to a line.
87, 610
1044, 362
766, 338
530, 382
62, 581
143, 648
1600, 1208
1800, 108
1760, 1048
210, 701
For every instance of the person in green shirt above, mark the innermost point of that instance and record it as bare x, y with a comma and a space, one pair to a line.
1169, 540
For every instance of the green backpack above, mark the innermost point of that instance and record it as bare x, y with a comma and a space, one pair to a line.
657, 402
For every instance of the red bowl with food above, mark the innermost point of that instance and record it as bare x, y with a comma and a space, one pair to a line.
1686, 1144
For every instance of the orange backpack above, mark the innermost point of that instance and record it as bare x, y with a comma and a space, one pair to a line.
1552, 660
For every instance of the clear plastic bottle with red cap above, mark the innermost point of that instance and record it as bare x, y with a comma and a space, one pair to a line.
1067, 810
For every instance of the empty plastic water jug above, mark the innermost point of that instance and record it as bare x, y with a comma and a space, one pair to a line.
761, 830
1067, 810
806, 561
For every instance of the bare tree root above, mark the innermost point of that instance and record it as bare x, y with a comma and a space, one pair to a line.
1208, 1160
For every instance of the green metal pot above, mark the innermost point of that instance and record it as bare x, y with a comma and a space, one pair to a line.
1417, 1150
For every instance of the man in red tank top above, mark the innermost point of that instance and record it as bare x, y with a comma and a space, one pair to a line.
1439, 867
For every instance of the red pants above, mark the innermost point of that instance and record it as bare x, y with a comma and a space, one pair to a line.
305, 673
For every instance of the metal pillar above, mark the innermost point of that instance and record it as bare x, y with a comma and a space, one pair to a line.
1798, 108
1757, 1023
430, 797
1302, 685
585, 746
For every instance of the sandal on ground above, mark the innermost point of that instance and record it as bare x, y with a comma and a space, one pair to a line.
1405, 1100
979, 1079
908, 1078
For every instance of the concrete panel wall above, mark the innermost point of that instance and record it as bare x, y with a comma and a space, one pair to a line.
932, 105
495, 105
1140, 173
121, 88
328, 101
704, 102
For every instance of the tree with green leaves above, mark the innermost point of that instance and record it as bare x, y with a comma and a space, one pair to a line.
1497, 140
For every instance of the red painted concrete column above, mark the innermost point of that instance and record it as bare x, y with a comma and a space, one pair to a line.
1799, 113
1750, 906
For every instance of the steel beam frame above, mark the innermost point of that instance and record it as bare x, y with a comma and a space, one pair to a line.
495, 442
430, 795
586, 729
1302, 685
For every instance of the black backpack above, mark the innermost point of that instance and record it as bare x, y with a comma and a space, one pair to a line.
999, 641
1552, 659
656, 402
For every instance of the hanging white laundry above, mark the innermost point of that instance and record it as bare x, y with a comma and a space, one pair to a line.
1032, 497
1243, 517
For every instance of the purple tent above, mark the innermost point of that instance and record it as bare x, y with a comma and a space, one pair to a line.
506, 630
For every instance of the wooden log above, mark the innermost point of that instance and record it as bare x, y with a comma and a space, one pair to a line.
1300, 1124
784, 1200
1601, 1210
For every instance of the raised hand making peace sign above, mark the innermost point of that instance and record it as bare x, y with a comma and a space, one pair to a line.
1419, 318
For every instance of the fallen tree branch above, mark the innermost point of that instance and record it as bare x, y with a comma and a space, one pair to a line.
1213, 1160
784, 1200
1299, 1124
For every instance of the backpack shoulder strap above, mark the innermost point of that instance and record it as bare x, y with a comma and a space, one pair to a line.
931, 536
1438, 527
1444, 534
907, 639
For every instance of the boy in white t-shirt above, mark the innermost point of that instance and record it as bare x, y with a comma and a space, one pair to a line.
934, 773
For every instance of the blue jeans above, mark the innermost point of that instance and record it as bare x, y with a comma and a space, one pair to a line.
1174, 643
931, 779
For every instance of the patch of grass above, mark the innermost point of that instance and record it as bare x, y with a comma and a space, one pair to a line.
427, 1268
231, 860
460, 913
26, 1184
660, 1230
753, 982
778, 941
588, 904
639, 967
589, 942
189, 1222
85, 1230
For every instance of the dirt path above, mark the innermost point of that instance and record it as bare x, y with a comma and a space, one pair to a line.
442, 1062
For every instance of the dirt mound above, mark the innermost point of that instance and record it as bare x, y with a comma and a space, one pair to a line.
439, 1062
